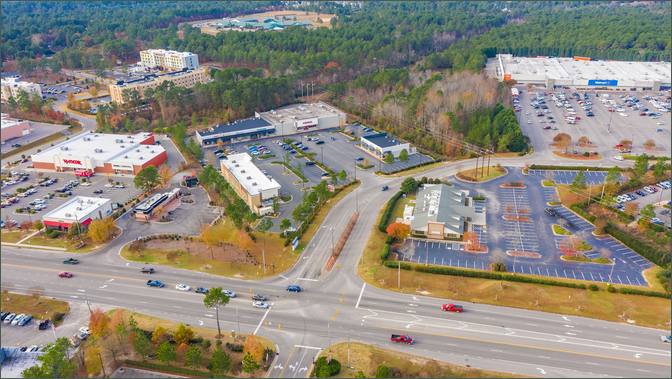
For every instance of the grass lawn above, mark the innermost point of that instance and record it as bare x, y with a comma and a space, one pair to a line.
557, 229
39, 306
13, 236
645, 311
548, 183
583, 246
413, 171
60, 241
651, 278
367, 358
398, 211
481, 174
569, 196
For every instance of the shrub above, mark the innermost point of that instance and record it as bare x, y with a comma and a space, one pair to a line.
593, 287
386, 252
659, 257
611, 288
383, 371
234, 347
387, 213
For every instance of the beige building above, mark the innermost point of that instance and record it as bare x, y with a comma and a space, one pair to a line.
186, 79
252, 185
169, 59
11, 87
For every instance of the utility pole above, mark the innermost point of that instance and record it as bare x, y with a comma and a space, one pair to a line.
263, 254
102, 365
398, 273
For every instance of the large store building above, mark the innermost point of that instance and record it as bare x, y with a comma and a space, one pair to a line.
584, 73
169, 59
11, 87
13, 128
78, 210
380, 144
292, 119
184, 78
252, 185
102, 153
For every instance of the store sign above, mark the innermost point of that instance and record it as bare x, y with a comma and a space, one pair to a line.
308, 122
597, 82
121, 167
72, 161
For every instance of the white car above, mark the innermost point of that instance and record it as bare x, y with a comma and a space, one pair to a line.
182, 287
229, 293
17, 319
109, 185
84, 330
86, 184
623, 114
260, 304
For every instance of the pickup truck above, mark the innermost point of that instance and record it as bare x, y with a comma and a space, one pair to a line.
147, 270
155, 283
452, 308
400, 338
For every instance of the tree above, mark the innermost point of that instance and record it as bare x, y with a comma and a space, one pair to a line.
166, 352
220, 362
38, 225
100, 231
659, 169
562, 141
579, 181
54, 363
388, 158
118, 325
342, 175
630, 208
285, 224
249, 364
147, 179
409, 185
383, 371
403, 155
183, 334
99, 323
254, 347
649, 144
584, 141
215, 298
165, 174
93, 90
159, 334
141, 343
641, 165
648, 212
613, 175
193, 357
626, 144
92, 360
397, 230
75, 230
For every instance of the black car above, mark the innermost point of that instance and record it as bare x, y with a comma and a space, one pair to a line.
71, 261
16, 145
258, 297
320, 142
148, 270
310, 163
551, 212
44, 324
202, 290
98, 191
3, 315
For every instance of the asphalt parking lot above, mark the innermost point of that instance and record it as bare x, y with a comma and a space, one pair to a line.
39, 131
98, 182
531, 232
605, 129
567, 176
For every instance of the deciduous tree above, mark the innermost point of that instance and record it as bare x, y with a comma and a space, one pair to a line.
99, 323
183, 334
166, 352
100, 231
147, 178
397, 230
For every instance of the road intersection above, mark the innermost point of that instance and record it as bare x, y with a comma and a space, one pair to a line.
338, 306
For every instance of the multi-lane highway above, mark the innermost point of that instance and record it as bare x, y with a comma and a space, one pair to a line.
337, 306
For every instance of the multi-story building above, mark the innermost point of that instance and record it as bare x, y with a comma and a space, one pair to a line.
188, 79
252, 185
11, 87
13, 128
169, 59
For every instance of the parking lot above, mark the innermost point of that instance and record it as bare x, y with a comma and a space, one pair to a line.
38, 131
605, 129
99, 187
567, 176
519, 233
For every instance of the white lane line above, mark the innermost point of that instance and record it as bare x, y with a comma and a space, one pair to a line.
308, 347
284, 277
360, 295
312, 280
81, 291
262, 320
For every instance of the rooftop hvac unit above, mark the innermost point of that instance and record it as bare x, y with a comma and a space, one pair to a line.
122, 146
98, 150
137, 150
242, 171
141, 158
79, 208
151, 151
254, 184
125, 156
87, 139
249, 178
68, 215
236, 165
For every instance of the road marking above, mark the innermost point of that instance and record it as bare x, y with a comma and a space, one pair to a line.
110, 280
410, 311
80, 290
284, 277
209, 315
360, 295
412, 305
312, 280
74, 297
262, 320
308, 347
541, 371
200, 322
568, 326
638, 355
570, 333
103, 286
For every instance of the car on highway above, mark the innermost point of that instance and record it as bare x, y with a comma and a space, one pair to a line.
202, 290
452, 308
182, 287
229, 293
294, 288
65, 274
147, 270
401, 338
98, 191
258, 297
385, 188
260, 304
666, 339
71, 261
155, 283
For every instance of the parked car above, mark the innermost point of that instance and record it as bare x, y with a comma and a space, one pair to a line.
17, 319
260, 304
8, 319
25, 320
44, 324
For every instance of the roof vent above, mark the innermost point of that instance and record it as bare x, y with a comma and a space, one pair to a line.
125, 156
242, 171
249, 178
68, 215
254, 184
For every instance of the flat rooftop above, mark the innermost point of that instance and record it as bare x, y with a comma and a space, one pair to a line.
170, 52
150, 77
77, 208
248, 124
382, 140
295, 112
571, 69
248, 174
8, 121
113, 148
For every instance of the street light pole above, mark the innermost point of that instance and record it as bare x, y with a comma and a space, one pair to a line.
398, 273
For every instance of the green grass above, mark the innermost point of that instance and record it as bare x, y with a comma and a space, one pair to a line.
581, 258
61, 241
38, 306
13, 236
583, 246
559, 230
413, 170
548, 183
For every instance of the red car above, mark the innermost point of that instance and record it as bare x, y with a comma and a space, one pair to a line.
65, 274
400, 338
452, 308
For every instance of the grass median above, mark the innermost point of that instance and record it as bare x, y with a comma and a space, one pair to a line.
481, 174
642, 310
368, 359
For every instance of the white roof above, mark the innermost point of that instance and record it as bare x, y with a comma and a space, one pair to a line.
248, 174
112, 148
9, 121
76, 208
170, 52
301, 112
